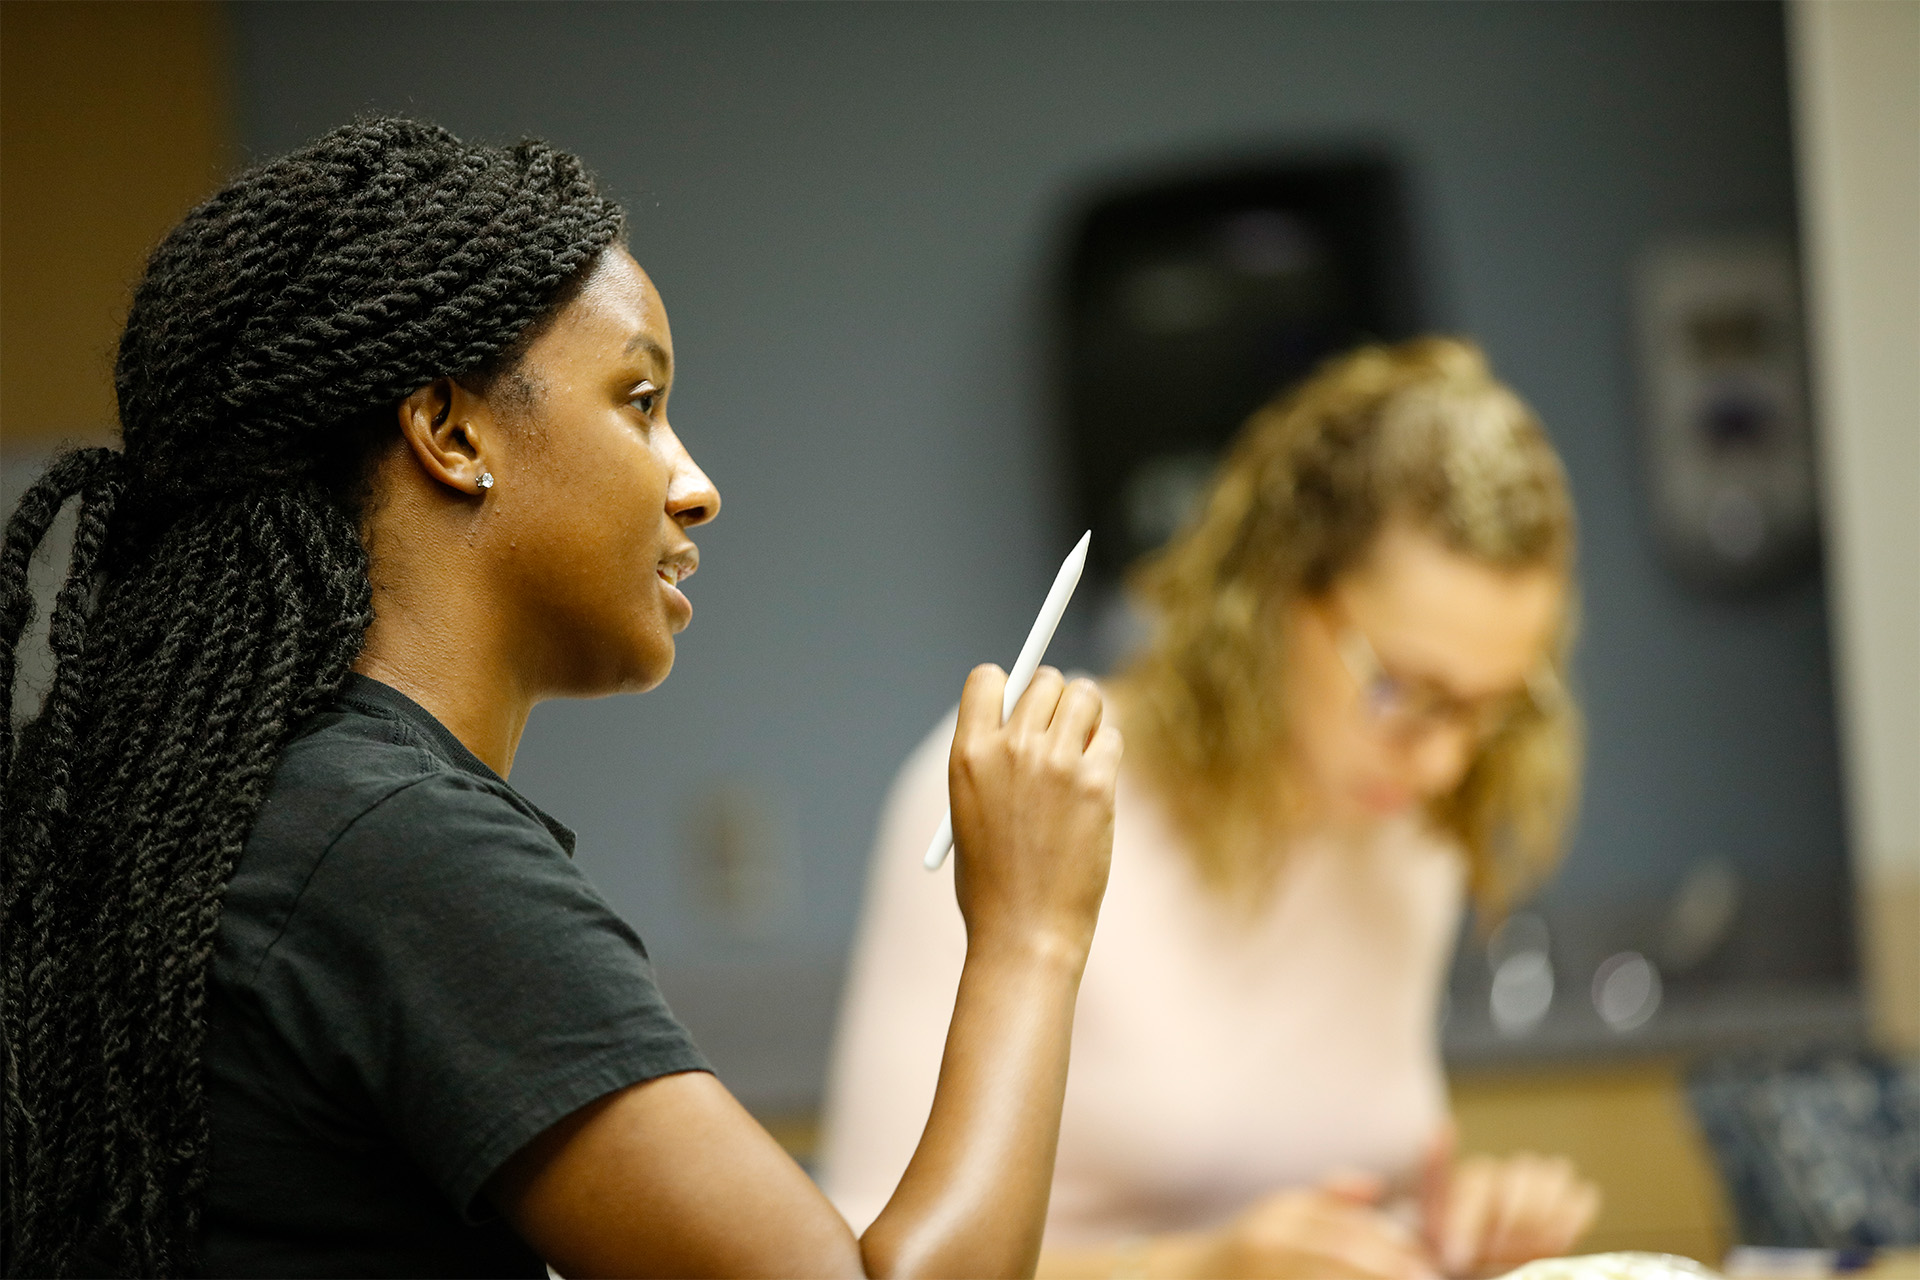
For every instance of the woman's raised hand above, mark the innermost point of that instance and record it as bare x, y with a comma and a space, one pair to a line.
1032, 812
673, 1177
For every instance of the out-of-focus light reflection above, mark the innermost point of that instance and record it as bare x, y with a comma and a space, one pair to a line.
1705, 909
1519, 953
1522, 992
1626, 990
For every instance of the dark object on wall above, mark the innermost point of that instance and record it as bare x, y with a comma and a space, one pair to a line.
1729, 446
1191, 299
1819, 1151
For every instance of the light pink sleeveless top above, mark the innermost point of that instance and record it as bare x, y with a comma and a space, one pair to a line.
1214, 1059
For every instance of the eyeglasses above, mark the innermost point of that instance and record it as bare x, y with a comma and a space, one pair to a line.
1407, 709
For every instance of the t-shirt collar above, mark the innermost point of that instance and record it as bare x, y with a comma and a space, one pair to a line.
365, 694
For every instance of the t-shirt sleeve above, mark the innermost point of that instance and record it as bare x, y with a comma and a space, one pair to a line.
448, 969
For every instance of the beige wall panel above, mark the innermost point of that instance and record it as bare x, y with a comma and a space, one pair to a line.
1857, 105
113, 122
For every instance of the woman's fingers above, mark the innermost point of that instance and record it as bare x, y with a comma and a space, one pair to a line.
1034, 712
1032, 805
1436, 1185
1319, 1235
1469, 1207
980, 701
1355, 1186
1546, 1206
1373, 1254
1502, 1213
1104, 752
1070, 711
1363, 1242
1522, 1191
1077, 716
1483, 1214
1581, 1214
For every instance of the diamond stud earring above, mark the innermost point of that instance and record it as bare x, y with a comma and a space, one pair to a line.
486, 480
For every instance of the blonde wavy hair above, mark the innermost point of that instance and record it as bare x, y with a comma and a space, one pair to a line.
1420, 432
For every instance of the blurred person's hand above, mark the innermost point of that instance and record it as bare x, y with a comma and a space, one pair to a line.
1484, 1215
1332, 1232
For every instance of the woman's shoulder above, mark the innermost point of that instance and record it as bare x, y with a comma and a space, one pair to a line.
343, 758
366, 814
348, 769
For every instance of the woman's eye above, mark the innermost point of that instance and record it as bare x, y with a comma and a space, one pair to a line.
646, 398
1387, 696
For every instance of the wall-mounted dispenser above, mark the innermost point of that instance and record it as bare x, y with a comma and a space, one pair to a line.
1728, 444
1191, 298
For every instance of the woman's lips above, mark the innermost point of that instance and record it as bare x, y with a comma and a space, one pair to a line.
671, 572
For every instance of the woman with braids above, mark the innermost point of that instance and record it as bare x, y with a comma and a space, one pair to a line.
294, 981
1350, 717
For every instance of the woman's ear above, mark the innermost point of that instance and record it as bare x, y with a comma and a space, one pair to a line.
448, 430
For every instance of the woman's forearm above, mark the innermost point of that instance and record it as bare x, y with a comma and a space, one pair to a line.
973, 1201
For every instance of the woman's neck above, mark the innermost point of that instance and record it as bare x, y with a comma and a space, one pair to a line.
489, 725
439, 635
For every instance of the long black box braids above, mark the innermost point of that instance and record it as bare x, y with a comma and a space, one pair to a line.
217, 596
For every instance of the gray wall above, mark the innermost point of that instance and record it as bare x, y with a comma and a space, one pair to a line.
850, 211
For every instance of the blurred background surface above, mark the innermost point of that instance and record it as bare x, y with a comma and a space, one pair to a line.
869, 223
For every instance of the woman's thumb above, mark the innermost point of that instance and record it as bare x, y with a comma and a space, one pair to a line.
1436, 1184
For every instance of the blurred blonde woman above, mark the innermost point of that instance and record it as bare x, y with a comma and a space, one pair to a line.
1351, 719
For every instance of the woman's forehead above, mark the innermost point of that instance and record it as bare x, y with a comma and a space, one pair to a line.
1443, 616
617, 313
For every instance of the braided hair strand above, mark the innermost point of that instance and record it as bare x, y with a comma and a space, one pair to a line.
217, 596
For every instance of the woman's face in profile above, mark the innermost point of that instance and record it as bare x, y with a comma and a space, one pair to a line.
595, 500
1397, 675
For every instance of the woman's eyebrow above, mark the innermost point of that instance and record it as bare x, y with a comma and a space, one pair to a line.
644, 342
1419, 674
1447, 688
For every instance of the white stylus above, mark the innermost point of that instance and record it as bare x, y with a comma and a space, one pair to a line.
1024, 666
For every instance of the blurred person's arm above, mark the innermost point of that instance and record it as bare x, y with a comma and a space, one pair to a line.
1480, 1216
672, 1177
1332, 1232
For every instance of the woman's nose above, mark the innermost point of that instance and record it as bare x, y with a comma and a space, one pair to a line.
691, 497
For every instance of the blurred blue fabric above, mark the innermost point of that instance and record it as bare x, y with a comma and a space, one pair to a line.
1820, 1150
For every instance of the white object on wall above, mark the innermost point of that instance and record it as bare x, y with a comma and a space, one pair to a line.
1728, 448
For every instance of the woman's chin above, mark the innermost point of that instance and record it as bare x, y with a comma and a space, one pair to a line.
638, 666
1373, 801
658, 667
1383, 802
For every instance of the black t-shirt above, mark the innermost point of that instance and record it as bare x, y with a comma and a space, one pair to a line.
411, 980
